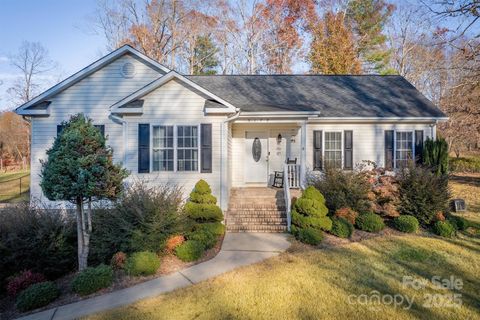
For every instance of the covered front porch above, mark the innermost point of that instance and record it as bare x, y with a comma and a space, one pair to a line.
261, 150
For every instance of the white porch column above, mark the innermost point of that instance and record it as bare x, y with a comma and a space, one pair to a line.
303, 161
224, 183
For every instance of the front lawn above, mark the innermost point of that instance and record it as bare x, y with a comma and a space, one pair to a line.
313, 284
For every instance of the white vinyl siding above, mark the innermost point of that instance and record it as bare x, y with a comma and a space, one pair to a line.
333, 150
403, 148
91, 96
368, 138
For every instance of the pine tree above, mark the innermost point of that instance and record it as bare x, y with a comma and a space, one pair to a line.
79, 169
205, 56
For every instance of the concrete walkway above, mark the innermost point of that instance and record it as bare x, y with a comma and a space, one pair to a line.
238, 249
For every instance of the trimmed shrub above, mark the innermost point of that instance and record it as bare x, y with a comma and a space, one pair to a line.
408, 224
342, 228
142, 219
444, 229
142, 263
92, 279
173, 242
344, 189
118, 260
37, 295
309, 216
216, 228
37, 239
347, 213
201, 212
309, 236
370, 222
201, 206
423, 194
190, 250
458, 223
23, 281
206, 238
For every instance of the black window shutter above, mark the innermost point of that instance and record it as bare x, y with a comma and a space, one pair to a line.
419, 146
389, 149
101, 127
206, 147
317, 150
143, 148
59, 129
348, 150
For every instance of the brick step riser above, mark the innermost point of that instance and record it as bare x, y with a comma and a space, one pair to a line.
255, 216
235, 221
250, 207
256, 228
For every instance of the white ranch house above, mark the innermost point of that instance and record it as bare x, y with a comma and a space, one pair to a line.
234, 131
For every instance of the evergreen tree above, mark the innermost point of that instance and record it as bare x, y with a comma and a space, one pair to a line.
435, 155
367, 19
79, 169
205, 56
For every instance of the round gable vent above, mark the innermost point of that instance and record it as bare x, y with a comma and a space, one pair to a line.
128, 70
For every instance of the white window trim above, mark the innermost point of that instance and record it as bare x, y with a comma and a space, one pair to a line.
395, 145
175, 156
342, 147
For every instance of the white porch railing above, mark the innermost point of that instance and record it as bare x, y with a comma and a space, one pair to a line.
291, 179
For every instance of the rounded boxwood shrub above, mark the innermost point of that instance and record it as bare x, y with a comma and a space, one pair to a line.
142, 263
444, 229
342, 227
92, 279
37, 295
216, 228
190, 250
406, 223
370, 222
205, 237
309, 235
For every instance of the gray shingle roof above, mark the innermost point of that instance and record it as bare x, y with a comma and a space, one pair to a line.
333, 96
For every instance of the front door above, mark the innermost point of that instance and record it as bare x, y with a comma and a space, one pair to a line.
256, 157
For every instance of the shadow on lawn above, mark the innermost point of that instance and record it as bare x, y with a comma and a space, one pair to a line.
410, 260
467, 180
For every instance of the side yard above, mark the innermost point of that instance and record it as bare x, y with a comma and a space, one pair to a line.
344, 281
15, 187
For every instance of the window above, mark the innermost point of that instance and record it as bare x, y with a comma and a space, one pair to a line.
333, 149
162, 148
187, 148
403, 148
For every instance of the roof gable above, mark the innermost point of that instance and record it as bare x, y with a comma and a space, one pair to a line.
29, 108
122, 105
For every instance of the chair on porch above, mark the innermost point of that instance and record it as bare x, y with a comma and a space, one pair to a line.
279, 178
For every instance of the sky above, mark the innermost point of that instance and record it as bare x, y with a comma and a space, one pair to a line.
64, 27
61, 26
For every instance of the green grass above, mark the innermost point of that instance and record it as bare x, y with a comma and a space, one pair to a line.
307, 283
10, 187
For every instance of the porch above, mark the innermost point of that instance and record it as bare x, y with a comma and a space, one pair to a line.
261, 151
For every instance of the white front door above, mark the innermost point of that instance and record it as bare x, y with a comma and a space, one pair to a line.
256, 157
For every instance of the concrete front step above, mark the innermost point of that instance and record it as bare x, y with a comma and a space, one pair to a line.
256, 228
254, 206
257, 214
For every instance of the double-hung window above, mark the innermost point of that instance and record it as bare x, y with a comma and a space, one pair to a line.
403, 148
163, 148
333, 149
187, 148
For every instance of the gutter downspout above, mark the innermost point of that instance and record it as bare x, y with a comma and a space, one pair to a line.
124, 132
223, 163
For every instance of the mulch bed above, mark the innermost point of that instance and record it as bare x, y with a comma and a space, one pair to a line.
169, 264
